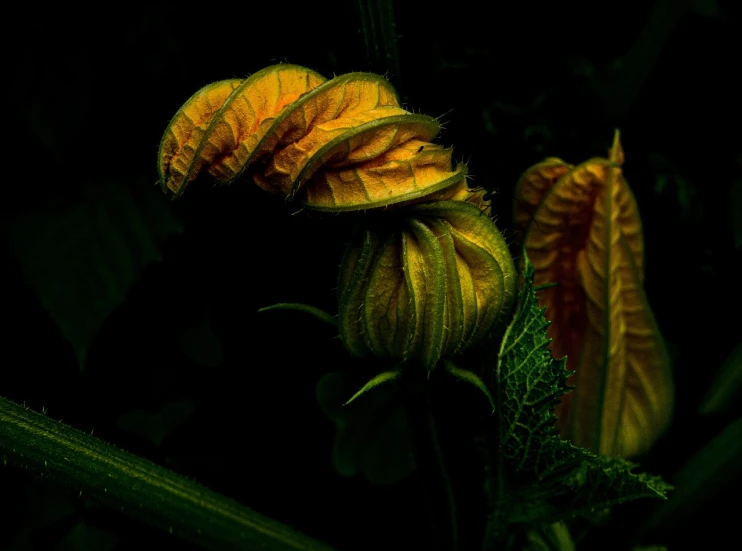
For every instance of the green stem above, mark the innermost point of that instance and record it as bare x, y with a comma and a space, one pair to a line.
138, 487
380, 37
430, 464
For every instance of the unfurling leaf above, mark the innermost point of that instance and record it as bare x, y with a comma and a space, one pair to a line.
581, 228
342, 144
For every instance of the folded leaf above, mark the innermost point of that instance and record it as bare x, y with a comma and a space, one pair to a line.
585, 235
342, 144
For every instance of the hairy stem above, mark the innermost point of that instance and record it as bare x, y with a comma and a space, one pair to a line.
138, 487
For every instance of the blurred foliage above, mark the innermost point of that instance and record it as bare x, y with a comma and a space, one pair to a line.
372, 434
81, 259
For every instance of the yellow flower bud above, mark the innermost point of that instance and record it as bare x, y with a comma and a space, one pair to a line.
429, 281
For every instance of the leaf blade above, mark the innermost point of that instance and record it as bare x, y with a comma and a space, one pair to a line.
82, 260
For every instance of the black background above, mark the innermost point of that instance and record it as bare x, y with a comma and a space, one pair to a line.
89, 94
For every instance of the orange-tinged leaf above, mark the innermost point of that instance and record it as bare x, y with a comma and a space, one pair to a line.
180, 148
217, 126
585, 234
342, 144
532, 186
399, 175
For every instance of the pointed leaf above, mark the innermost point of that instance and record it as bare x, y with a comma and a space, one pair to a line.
539, 476
585, 236
469, 377
379, 379
371, 435
81, 261
313, 311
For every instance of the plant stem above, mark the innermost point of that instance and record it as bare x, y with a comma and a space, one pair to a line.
430, 464
380, 37
138, 487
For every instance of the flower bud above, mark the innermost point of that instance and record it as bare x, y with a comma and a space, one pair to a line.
581, 229
429, 282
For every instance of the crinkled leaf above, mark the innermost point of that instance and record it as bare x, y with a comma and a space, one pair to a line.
81, 261
371, 435
540, 477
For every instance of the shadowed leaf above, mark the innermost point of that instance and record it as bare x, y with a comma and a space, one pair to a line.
313, 311
201, 344
726, 386
716, 466
82, 260
371, 435
344, 144
156, 426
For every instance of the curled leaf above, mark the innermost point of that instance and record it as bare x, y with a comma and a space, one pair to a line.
471, 378
313, 311
380, 379
221, 127
342, 144
585, 235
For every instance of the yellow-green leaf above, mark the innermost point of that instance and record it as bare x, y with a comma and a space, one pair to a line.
585, 235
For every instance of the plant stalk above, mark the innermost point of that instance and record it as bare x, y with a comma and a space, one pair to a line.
431, 467
138, 487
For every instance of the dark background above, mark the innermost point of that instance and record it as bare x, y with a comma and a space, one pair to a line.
230, 392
